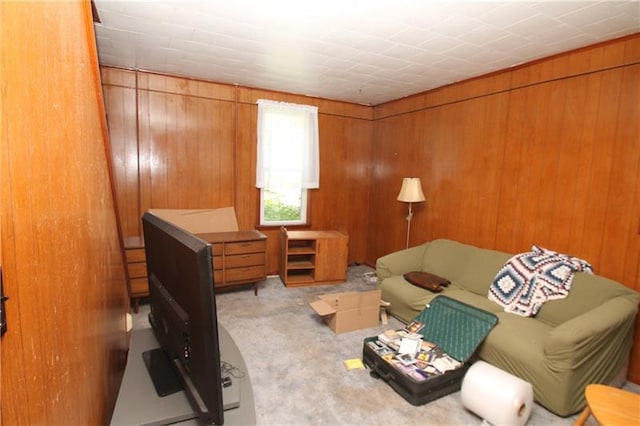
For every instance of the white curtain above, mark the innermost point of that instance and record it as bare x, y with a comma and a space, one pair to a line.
288, 145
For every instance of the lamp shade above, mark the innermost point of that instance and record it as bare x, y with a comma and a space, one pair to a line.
411, 190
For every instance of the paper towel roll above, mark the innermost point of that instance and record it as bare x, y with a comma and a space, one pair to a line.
497, 396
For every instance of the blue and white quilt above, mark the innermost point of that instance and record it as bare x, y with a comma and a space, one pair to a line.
527, 280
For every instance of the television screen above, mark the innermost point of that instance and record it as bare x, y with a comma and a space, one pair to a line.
183, 317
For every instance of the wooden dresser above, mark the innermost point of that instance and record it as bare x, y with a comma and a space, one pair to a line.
239, 258
138, 285
313, 257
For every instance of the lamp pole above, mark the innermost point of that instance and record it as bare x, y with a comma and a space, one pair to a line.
410, 192
409, 217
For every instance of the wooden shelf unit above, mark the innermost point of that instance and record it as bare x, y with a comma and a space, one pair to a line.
313, 257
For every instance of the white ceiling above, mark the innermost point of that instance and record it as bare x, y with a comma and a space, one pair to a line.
362, 51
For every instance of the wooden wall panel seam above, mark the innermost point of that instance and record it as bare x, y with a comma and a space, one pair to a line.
235, 142
189, 95
237, 98
138, 168
497, 92
320, 112
95, 67
630, 43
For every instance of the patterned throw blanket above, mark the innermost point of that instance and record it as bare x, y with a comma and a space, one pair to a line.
529, 279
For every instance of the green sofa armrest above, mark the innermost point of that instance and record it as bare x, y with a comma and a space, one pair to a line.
400, 262
603, 332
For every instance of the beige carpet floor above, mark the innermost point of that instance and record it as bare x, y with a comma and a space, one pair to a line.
295, 363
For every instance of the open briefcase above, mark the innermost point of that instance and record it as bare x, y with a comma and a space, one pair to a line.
436, 364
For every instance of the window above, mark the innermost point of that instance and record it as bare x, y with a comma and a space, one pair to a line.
288, 161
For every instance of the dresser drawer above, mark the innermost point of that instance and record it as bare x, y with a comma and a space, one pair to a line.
245, 247
135, 255
239, 260
217, 263
137, 270
139, 287
217, 276
216, 249
248, 273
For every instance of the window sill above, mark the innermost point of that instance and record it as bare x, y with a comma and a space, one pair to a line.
275, 227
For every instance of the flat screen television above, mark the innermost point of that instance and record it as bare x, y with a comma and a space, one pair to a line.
183, 317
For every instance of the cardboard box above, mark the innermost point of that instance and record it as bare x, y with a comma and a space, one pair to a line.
349, 311
201, 221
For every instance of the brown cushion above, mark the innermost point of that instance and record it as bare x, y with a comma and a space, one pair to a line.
427, 280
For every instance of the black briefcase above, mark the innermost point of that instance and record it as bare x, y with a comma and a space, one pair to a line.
451, 331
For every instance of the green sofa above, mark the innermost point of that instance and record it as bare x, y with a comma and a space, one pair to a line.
584, 338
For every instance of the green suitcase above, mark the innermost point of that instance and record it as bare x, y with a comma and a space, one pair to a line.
456, 328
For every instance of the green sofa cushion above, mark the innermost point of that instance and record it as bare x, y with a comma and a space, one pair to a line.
406, 299
447, 258
587, 292
481, 269
470, 267
480, 302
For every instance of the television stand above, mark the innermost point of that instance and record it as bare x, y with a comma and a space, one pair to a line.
138, 403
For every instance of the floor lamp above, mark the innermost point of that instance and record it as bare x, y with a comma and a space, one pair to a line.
411, 192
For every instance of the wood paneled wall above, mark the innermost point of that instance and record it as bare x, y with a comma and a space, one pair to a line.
547, 154
180, 143
64, 352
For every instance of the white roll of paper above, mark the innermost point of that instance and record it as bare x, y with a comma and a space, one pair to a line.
500, 398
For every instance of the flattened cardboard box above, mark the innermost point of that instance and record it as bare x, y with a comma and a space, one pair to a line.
201, 221
349, 311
